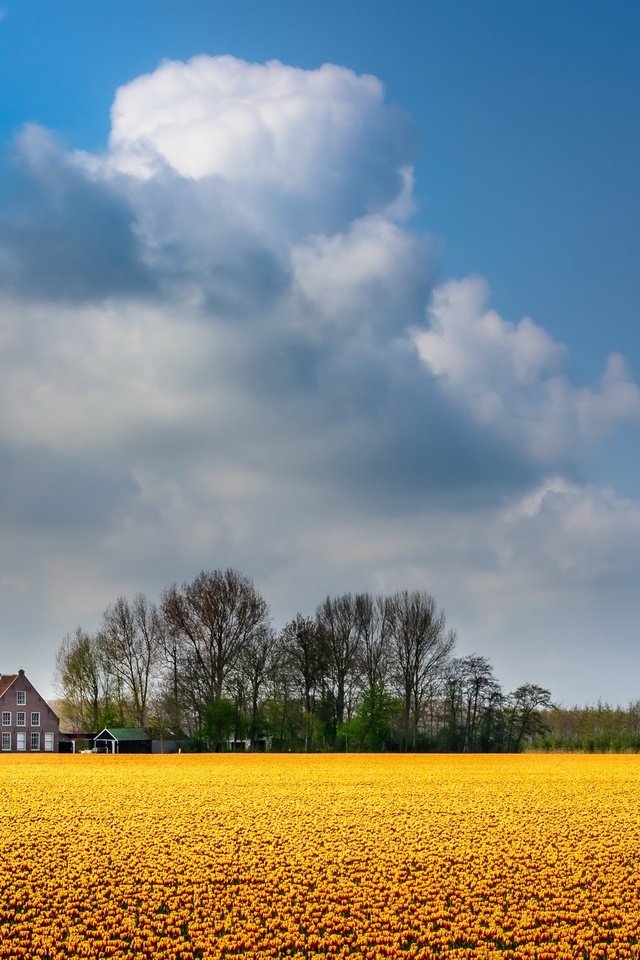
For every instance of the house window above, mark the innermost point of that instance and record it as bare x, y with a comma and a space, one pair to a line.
35, 741
48, 741
21, 697
6, 718
21, 718
6, 741
35, 719
21, 742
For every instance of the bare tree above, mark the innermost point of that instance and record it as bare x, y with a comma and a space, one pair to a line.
421, 646
211, 620
171, 701
306, 659
473, 699
260, 658
372, 624
483, 701
132, 636
336, 620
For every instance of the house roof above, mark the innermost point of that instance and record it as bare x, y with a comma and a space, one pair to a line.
125, 733
6, 679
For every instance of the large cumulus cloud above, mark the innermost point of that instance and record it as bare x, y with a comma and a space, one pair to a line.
323, 139
222, 342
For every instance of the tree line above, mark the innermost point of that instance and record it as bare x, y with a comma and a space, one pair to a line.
600, 728
364, 672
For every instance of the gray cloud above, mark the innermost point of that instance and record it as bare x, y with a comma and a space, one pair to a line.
45, 491
62, 235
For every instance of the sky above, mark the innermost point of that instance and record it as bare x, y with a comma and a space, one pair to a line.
344, 296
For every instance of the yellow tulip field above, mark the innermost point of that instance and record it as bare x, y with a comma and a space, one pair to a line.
323, 856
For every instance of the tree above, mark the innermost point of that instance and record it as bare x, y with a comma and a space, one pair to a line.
282, 711
82, 678
305, 657
338, 627
524, 717
170, 697
211, 620
473, 697
370, 727
420, 647
259, 659
132, 641
219, 720
372, 624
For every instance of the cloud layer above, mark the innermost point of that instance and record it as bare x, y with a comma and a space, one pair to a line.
221, 343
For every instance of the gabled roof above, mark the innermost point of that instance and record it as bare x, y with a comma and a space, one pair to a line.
6, 679
125, 733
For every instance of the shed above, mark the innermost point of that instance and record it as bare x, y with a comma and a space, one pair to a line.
122, 740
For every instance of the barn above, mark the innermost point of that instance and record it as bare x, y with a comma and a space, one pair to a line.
122, 740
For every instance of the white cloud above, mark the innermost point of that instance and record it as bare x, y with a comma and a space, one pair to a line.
244, 122
615, 401
315, 147
366, 277
470, 345
511, 377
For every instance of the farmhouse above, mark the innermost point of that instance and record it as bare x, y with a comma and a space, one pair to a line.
28, 723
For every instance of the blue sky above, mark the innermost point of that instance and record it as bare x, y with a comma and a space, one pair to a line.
374, 329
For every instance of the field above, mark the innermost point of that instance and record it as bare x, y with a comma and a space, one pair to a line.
275, 856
